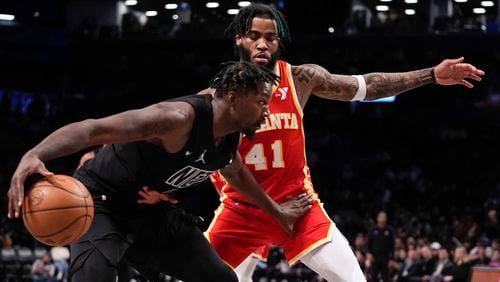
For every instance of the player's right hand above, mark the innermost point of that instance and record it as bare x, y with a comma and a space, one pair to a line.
153, 197
294, 209
28, 165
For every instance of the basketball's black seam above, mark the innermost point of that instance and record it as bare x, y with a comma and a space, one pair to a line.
60, 188
79, 185
61, 230
53, 209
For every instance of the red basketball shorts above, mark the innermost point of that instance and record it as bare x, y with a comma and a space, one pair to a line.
239, 229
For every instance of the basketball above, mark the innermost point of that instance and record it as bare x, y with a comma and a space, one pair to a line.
58, 210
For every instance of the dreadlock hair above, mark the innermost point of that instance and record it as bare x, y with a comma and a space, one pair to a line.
241, 76
242, 22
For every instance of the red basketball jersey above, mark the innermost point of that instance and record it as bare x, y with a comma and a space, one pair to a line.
277, 157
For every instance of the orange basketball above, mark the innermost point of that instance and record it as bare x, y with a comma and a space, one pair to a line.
58, 210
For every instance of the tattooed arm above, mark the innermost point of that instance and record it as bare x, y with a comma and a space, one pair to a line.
314, 79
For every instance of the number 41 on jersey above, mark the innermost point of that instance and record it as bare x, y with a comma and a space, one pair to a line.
257, 157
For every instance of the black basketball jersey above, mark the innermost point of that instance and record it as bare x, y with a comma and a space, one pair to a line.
119, 171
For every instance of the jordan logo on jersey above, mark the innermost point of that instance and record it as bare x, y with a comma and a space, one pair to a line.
282, 91
188, 176
201, 158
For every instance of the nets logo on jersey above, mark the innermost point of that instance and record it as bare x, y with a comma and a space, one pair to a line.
188, 176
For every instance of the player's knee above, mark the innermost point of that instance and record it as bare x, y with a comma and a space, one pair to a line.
94, 273
91, 265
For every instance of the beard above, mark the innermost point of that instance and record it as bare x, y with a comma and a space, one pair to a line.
245, 55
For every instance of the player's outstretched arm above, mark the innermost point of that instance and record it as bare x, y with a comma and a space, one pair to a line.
154, 121
238, 175
314, 79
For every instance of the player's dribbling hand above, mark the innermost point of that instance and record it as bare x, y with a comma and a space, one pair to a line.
294, 209
152, 197
28, 165
454, 71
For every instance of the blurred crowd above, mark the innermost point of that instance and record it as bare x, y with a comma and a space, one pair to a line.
394, 254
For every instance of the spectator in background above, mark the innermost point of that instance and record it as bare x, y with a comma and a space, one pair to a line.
443, 266
368, 267
381, 246
495, 259
398, 244
435, 247
60, 256
43, 269
477, 256
397, 263
410, 267
359, 249
427, 264
5, 237
491, 226
461, 268
410, 243
495, 245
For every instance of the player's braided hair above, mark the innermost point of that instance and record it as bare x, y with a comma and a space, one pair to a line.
243, 21
240, 76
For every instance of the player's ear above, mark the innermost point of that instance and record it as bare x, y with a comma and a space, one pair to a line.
232, 96
238, 39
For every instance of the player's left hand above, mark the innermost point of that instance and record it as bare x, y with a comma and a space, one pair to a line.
455, 71
294, 209
153, 197
29, 164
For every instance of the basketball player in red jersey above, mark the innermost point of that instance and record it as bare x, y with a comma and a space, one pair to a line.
276, 155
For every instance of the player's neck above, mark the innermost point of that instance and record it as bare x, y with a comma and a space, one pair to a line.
222, 124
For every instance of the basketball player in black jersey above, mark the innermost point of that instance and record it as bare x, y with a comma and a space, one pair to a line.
167, 146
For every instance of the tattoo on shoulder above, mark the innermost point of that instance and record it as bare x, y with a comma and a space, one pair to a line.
303, 74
